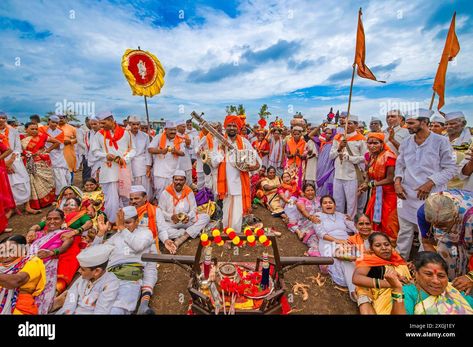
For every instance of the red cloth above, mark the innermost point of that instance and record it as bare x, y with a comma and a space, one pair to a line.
6, 195
118, 133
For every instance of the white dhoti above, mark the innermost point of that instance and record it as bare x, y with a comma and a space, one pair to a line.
62, 178
146, 183
128, 295
344, 191
111, 200
20, 183
160, 183
193, 229
233, 212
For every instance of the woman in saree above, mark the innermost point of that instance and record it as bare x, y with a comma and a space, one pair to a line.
78, 223
307, 206
325, 166
261, 145
382, 205
373, 289
66, 193
431, 293
7, 202
296, 154
364, 228
257, 194
270, 187
48, 245
446, 225
22, 278
94, 194
288, 195
330, 239
38, 165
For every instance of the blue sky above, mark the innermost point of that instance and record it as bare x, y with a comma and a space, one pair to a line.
291, 55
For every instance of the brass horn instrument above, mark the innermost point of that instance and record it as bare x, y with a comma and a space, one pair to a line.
244, 158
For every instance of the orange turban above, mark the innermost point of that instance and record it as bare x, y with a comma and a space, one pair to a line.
379, 136
233, 119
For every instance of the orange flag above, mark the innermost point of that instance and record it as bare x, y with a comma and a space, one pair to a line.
450, 51
360, 54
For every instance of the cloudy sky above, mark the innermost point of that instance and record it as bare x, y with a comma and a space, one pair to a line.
292, 55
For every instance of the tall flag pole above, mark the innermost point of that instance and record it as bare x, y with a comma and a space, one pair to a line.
450, 51
362, 70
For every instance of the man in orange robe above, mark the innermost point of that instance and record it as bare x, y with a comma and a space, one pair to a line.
70, 140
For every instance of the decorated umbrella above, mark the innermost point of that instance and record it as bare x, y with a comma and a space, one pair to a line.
144, 73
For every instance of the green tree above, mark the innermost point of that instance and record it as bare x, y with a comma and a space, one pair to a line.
231, 109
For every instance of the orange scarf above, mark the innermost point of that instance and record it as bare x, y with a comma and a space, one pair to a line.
186, 190
370, 260
356, 137
177, 142
118, 133
60, 137
244, 176
356, 239
4, 137
151, 210
293, 147
210, 140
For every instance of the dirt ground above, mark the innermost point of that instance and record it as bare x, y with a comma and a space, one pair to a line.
171, 295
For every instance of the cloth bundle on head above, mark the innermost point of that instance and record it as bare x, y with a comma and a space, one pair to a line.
3, 114
233, 119
437, 118
130, 212
440, 208
94, 255
104, 115
179, 173
137, 189
169, 124
420, 113
298, 128
134, 119
54, 118
454, 115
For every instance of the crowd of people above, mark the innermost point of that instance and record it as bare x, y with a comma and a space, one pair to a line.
392, 207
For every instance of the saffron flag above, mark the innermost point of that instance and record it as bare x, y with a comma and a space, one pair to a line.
143, 72
450, 51
360, 53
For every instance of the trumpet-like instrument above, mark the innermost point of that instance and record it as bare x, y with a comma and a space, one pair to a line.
244, 158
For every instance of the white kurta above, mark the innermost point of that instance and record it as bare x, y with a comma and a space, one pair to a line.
86, 297
128, 248
415, 165
311, 166
19, 180
93, 162
164, 165
140, 161
80, 147
62, 176
194, 136
400, 134
109, 175
233, 203
197, 222
202, 179
185, 162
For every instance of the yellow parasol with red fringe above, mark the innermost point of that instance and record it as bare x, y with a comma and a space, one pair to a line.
143, 71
